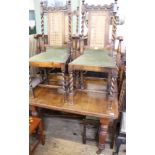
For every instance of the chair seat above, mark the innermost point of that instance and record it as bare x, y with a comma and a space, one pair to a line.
53, 57
95, 58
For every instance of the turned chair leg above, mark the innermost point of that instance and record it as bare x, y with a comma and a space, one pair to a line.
114, 132
84, 134
81, 80
64, 85
71, 87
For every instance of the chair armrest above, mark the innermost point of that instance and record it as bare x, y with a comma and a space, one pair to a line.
37, 36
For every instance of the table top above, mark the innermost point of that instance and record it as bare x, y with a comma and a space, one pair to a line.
95, 58
85, 103
50, 57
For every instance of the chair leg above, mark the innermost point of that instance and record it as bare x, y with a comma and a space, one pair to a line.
81, 80
77, 79
46, 75
114, 132
84, 133
71, 87
64, 85
108, 85
118, 143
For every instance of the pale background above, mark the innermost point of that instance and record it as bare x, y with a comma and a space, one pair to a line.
14, 66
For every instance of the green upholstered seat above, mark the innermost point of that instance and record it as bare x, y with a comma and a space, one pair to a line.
96, 58
59, 55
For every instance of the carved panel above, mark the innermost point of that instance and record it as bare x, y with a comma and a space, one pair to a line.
66, 28
57, 28
98, 29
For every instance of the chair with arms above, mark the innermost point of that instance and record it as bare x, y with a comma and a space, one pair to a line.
99, 55
57, 52
119, 125
119, 134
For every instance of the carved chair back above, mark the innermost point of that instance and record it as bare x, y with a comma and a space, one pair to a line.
58, 22
99, 18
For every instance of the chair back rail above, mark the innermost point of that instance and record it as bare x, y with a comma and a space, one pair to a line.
99, 20
59, 24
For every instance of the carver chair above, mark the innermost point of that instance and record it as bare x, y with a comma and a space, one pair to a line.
118, 136
55, 54
99, 55
119, 132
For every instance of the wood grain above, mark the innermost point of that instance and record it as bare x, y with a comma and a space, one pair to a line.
85, 103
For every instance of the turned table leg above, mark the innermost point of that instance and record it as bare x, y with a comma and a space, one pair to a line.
112, 89
104, 123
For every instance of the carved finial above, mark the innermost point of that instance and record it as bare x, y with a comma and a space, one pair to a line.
69, 2
115, 7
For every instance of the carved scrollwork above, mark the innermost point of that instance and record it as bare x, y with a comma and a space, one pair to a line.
47, 9
98, 7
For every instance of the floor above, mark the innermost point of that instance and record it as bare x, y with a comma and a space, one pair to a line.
63, 137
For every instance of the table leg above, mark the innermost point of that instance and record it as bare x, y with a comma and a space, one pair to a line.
41, 134
104, 123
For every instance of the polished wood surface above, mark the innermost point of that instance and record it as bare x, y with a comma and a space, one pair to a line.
85, 103
104, 123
